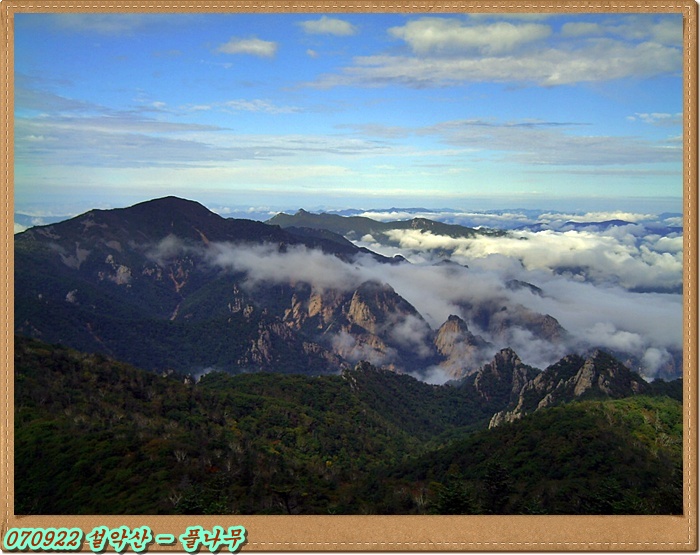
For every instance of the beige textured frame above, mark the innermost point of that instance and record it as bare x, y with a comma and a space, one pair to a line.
381, 533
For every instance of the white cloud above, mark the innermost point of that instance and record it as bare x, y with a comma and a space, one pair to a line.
355, 349
551, 143
620, 256
413, 334
632, 217
655, 359
102, 23
580, 28
449, 36
599, 257
594, 60
258, 105
665, 30
513, 16
598, 313
659, 119
328, 26
252, 46
297, 264
606, 335
69, 134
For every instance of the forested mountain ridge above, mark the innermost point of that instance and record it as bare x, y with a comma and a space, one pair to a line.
96, 436
279, 377
358, 226
169, 284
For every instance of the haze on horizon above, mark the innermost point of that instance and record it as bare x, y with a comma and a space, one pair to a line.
574, 112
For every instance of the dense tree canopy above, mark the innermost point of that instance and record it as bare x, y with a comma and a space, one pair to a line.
95, 436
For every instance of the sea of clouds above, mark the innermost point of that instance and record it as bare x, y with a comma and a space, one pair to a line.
616, 287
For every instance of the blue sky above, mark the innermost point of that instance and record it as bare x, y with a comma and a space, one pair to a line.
576, 111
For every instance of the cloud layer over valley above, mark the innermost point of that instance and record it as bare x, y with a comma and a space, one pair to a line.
618, 289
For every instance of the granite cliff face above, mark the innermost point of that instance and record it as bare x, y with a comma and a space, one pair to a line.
573, 377
462, 350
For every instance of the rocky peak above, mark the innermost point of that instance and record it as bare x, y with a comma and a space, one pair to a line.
574, 377
502, 379
421, 223
505, 361
603, 374
373, 304
455, 324
453, 331
463, 351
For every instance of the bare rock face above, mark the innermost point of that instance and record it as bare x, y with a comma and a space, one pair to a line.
361, 314
314, 309
502, 379
602, 373
462, 350
453, 333
374, 306
500, 318
573, 377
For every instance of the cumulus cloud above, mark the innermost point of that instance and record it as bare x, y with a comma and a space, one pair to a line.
451, 36
617, 256
444, 51
328, 26
251, 46
660, 119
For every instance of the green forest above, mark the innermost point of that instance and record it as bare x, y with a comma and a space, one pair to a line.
96, 436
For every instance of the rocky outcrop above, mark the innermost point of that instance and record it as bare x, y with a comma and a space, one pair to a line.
500, 318
461, 349
572, 378
501, 380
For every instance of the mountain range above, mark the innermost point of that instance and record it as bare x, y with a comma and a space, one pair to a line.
359, 226
168, 284
179, 362
162, 284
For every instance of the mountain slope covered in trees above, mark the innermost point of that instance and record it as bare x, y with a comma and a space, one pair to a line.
96, 436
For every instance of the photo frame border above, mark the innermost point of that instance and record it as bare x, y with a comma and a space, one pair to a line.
382, 533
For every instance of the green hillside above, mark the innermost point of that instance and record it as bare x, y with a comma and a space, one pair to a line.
591, 457
95, 436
